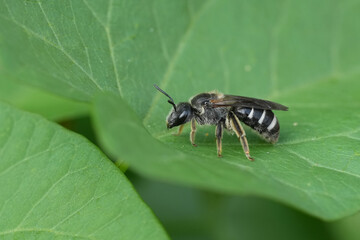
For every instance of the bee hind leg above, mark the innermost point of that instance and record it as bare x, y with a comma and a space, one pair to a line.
193, 131
240, 133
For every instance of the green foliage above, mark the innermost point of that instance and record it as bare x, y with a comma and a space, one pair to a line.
312, 163
108, 54
55, 184
35, 100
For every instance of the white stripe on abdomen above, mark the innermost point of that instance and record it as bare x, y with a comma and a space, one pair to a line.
251, 113
272, 124
262, 117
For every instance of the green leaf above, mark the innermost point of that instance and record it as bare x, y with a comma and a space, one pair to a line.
37, 101
78, 48
314, 167
304, 54
56, 184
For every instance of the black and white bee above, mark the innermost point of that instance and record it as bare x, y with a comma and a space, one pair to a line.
226, 111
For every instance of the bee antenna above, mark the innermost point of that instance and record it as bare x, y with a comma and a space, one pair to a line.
171, 101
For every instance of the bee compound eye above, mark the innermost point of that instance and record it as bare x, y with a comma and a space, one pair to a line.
183, 114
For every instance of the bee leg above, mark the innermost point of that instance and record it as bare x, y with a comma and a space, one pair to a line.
240, 133
219, 134
193, 131
180, 130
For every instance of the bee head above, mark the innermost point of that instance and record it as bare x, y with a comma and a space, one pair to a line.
180, 113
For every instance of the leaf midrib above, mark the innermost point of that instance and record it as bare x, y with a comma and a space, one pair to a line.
59, 46
44, 230
174, 59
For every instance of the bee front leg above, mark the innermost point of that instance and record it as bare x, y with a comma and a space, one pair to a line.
219, 134
240, 133
193, 131
181, 127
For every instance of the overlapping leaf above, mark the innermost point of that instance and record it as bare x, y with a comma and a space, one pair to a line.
55, 184
315, 165
35, 100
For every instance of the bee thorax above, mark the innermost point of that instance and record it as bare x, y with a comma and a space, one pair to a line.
211, 116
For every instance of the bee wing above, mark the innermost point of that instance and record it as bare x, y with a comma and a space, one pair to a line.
239, 101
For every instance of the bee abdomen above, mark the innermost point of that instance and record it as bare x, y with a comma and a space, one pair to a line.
262, 121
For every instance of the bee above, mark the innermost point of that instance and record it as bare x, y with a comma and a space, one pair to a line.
226, 112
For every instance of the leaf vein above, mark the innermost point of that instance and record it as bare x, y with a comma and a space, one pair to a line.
316, 165
59, 233
109, 222
64, 51
274, 48
50, 25
82, 40
29, 158
93, 13
111, 47
175, 58
77, 210
341, 134
159, 33
48, 191
30, 32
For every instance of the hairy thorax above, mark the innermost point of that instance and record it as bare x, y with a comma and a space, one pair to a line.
204, 114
